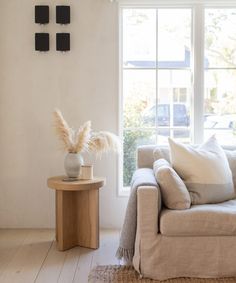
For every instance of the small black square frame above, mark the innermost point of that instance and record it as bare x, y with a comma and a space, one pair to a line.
41, 14
41, 41
63, 41
63, 15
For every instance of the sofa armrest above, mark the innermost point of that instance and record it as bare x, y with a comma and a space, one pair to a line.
143, 177
148, 210
148, 197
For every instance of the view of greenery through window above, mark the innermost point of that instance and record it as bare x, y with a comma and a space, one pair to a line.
157, 86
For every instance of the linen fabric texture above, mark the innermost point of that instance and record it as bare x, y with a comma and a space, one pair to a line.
173, 190
155, 153
166, 249
205, 171
231, 156
161, 257
200, 220
141, 177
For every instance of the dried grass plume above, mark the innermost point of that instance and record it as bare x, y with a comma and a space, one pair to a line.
103, 142
73, 141
84, 139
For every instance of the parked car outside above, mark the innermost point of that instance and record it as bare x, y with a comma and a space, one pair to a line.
181, 117
220, 121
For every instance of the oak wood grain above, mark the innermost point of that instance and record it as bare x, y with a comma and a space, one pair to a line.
57, 183
77, 212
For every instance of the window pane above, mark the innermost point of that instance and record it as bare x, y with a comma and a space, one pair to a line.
174, 38
174, 97
132, 139
182, 135
220, 105
139, 38
220, 38
139, 96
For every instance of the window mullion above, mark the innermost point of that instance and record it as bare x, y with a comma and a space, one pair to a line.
157, 65
198, 76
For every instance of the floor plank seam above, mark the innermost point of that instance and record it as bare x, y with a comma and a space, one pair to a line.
64, 260
91, 263
79, 259
44, 261
77, 264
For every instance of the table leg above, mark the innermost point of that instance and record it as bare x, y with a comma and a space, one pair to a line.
66, 220
56, 216
77, 219
88, 218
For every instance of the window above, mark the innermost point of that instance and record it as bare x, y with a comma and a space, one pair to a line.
165, 90
220, 74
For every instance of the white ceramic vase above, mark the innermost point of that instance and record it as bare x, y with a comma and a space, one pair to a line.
72, 164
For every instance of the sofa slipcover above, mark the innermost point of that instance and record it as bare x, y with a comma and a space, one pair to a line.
160, 256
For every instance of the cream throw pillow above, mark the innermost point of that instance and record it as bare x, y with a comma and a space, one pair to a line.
204, 170
173, 190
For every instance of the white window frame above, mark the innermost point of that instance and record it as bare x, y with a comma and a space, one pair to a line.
198, 26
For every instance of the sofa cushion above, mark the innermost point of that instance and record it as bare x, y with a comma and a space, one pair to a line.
200, 220
205, 171
174, 193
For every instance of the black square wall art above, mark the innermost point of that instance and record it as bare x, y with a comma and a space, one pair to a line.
63, 15
42, 41
42, 14
63, 41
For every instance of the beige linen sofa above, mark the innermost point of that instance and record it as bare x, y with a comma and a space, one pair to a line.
196, 242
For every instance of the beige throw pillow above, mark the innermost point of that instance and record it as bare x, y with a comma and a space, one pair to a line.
173, 190
161, 152
204, 170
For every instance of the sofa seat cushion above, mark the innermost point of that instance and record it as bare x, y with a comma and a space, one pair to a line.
200, 220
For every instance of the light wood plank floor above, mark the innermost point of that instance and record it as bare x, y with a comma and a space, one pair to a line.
31, 256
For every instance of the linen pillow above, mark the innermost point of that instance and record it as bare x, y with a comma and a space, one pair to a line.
173, 190
161, 152
205, 171
164, 152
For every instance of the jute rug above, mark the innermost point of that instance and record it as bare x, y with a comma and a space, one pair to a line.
126, 274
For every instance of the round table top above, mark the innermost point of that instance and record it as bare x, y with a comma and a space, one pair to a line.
57, 183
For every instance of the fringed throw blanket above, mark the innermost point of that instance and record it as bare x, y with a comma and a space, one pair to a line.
141, 177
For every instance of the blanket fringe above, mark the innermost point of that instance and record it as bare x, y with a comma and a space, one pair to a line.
125, 254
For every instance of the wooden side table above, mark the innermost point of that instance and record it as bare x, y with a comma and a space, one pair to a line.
77, 212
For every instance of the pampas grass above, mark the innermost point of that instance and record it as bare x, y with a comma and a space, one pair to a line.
84, 139
103, 142
73, 141
64, 132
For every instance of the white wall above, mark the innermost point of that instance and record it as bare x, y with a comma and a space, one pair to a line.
83, 83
